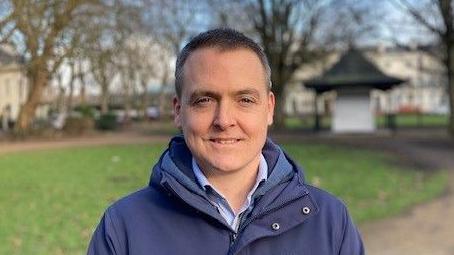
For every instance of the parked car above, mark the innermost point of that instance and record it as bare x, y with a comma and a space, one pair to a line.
153, 112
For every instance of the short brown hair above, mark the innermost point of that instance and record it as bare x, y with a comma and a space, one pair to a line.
225, 39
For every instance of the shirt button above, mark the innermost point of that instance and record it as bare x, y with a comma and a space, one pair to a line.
306, 210
275, 226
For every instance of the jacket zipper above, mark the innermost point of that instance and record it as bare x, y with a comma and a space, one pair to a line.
233, 236
248, 221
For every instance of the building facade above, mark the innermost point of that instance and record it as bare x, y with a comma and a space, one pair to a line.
14, 89
13, 86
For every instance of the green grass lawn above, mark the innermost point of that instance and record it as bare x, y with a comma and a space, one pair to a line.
402, 120
50, 201
307, 122
416, 120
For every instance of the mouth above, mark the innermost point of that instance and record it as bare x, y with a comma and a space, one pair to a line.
224, 140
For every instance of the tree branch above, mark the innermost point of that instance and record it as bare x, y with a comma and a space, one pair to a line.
406, 6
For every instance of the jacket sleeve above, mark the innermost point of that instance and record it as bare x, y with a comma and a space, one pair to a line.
351, 243
105, 240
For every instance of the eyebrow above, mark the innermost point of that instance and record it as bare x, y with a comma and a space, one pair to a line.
253, 92
201, 92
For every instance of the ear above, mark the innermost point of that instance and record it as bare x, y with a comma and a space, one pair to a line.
271, 104
177, 112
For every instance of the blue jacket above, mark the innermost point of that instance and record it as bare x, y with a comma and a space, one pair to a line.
173, 216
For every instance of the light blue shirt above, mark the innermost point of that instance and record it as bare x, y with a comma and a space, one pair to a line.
219, 201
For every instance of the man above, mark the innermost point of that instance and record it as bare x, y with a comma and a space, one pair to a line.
223, 187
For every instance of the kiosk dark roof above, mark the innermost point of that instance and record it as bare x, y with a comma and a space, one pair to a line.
352, 71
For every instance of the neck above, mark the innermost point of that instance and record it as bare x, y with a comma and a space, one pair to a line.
235, 185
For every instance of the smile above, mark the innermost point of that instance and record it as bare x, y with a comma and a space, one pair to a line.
224, 140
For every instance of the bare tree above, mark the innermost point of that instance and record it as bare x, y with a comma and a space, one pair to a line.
103, 69
287, 31
437, 17
147, 69
105, 46
170, 24
128, 63
81, 74
44, 32
147, 60
72, 79
61, 102
355, 23
100, 53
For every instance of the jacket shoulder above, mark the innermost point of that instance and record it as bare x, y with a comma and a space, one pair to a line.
333, 212
325, 199
137, 201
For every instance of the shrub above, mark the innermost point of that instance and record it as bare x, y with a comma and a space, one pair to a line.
78, 125
85, 111
107, 121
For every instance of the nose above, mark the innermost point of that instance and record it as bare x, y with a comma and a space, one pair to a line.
224, 116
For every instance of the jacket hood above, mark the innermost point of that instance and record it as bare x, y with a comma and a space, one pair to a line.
176, 163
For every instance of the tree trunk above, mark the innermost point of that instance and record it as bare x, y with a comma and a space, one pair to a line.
127, 102
104, 103
69, 103
279, 113
81, 77
448, 39
450, 77
39, 82
61, 94
128, 81
162, 97
104, 96
317, 126
279, 83
61, 99
144, 103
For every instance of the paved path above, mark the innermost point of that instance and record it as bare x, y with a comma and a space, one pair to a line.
425, 229
103, 139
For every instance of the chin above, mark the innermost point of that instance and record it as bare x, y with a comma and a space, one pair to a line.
224, 165
229, 163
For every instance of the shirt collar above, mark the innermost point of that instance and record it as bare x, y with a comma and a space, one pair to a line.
262, 174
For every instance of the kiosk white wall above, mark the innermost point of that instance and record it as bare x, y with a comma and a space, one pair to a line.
353, 112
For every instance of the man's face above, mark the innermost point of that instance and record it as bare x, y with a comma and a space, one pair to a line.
225, 109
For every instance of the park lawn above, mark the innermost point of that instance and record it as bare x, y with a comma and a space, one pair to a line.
306, 122
402, 120
416, 120
50, 201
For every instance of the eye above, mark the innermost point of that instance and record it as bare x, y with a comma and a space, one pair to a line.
201, 101
246, 100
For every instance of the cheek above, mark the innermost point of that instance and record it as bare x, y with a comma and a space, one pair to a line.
258, 127
196, 123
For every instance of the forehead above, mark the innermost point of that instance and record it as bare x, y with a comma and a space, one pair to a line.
223, 68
